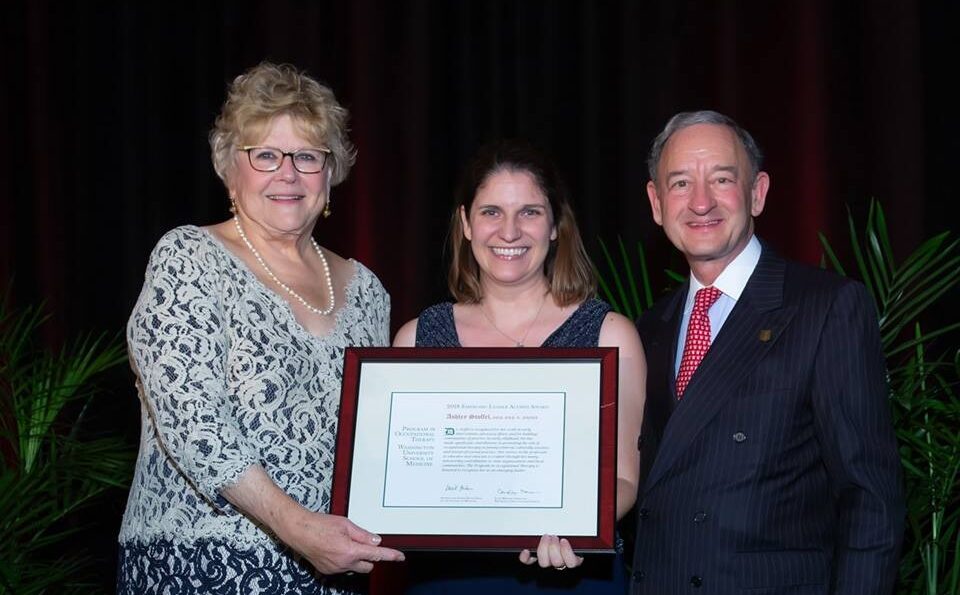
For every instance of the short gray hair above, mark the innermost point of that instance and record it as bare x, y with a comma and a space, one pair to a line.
687, 119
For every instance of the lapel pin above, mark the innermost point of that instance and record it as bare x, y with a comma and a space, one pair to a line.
765, 335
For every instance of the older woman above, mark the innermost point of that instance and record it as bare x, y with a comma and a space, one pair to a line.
237, 341
521, 277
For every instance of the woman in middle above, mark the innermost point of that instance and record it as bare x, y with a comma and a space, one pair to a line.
522, 278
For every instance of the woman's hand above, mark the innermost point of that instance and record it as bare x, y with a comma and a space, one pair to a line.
553, 552
333, 544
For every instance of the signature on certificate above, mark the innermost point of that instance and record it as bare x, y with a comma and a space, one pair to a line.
457, 487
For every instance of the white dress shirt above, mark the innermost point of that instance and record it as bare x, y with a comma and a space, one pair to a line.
731, 283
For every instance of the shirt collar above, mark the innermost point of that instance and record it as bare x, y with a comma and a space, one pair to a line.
734, 278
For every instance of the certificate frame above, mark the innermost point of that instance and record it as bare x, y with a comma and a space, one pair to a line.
574, 394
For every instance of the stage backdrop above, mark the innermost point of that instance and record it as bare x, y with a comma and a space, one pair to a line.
105, 108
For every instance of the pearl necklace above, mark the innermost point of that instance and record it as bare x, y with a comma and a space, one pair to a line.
516, 342
326, 274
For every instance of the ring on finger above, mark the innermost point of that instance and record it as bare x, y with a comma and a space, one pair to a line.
562, 567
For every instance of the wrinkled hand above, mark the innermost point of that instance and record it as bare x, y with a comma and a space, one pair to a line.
552, 552
333, 544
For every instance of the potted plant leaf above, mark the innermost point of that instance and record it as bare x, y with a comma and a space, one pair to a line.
923, 366
52, 468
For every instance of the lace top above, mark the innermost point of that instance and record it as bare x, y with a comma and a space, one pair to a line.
228, 378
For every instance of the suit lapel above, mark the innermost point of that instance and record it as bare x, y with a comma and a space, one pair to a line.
666, 346
753, 327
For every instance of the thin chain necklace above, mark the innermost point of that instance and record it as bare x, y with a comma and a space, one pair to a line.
516, 342
326, 274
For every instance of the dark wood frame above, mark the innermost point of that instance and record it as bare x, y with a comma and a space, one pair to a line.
354, 359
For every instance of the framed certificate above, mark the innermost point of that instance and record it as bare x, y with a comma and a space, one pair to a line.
479, 448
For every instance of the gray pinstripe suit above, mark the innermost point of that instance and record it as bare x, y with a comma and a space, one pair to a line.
778, 471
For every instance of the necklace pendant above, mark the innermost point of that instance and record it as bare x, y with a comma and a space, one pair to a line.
516, 342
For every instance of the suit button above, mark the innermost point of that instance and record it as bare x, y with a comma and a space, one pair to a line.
696, 581
638, 575
643, 513
739, 437
699, 517
640, 442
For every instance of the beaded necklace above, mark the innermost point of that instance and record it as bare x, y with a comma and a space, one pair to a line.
326, 274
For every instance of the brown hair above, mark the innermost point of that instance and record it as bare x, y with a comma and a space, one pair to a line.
567, 267
270, 90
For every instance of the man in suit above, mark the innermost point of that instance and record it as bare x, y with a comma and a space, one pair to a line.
769, 463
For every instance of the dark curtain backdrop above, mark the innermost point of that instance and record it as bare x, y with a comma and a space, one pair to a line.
105, 107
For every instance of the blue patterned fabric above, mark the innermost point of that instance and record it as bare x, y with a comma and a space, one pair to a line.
216, 568
436, 328
502, 573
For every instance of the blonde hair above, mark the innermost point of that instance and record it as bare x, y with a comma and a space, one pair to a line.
569, 273
267, 91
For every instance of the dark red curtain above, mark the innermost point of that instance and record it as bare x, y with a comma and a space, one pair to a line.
105, 106
105, 109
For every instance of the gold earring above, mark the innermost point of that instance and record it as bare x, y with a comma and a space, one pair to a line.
326, 209
233, 206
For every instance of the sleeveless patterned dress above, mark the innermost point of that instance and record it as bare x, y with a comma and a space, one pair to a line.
501, 573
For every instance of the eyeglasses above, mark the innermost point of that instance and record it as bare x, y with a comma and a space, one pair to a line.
267, 159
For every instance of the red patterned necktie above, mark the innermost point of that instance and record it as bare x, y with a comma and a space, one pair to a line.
698, 336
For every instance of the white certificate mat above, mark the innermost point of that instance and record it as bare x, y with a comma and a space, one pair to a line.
475, 447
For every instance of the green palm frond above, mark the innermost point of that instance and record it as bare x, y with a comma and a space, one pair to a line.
923, 390
52, 471
625, 284
36, 578
902, 292
51, 384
